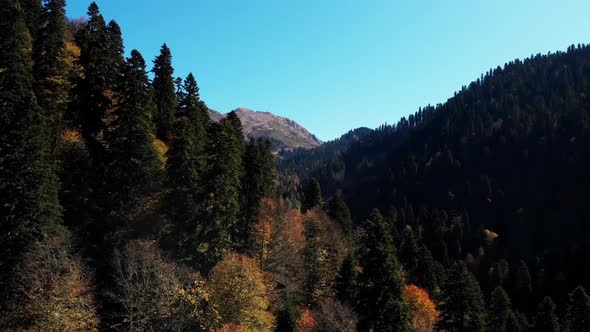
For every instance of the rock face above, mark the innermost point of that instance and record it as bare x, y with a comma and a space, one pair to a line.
285, 134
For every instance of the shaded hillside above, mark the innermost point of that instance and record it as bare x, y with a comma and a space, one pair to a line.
508, 153
284, 133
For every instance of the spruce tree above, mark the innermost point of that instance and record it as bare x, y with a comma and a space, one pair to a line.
313, 196
29, 185
92, 93
164, 94
258, 182
52, 86
462, 307
499, 311
546, 319
339, 212
380, 282
185, 169
578, 312
222, 184
134, 166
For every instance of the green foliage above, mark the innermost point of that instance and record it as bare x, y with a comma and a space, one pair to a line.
185, 168
381, 304
28, 182
164, 94
500, 312
546, 318
312, 197
52, 84
258, 182
134, 166
223, 178
462, 306
578, 312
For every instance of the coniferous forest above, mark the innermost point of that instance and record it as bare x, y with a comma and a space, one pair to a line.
124, 207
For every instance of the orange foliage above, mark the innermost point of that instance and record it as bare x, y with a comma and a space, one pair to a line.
422, 309
70, 136
307, 321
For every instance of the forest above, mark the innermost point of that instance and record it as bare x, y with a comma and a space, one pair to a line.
124, 207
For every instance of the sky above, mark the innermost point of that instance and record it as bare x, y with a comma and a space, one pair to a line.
336, 65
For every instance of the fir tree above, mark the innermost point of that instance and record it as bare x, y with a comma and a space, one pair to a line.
339, 212
29, 185
52, 84
258, 182
499, 311
223, 181
164, 93
93, 100
578, 312
185, 169
546, 319
313, 196
380, 282
134, 165
462, 307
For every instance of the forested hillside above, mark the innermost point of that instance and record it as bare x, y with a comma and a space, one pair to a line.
495, 178
125, 208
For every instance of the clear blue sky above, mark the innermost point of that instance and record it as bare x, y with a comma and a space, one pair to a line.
334, 65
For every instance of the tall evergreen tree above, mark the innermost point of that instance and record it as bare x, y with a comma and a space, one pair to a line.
546, 319
93, 90
222, 185
258, 182
185, 169
339, 212
52, 84
578, 312
499, 311
462, 307
134, 166
116, 58
164, 93
313, 196
380, 282
32, 13
29, 200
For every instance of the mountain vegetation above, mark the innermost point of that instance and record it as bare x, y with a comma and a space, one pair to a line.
127, 205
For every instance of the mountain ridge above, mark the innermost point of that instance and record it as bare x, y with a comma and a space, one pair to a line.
284, 133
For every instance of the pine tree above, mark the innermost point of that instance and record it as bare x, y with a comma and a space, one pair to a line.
52, 84
578, 312
546, 319
380, 282
29, 185
462, 307
499, 311
313, 196
164, 94
134, 166
258, 182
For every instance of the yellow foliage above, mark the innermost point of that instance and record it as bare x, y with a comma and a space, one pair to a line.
239, 293
161, 149
422, 308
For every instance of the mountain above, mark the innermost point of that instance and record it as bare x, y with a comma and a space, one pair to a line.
496, 176
284, 133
